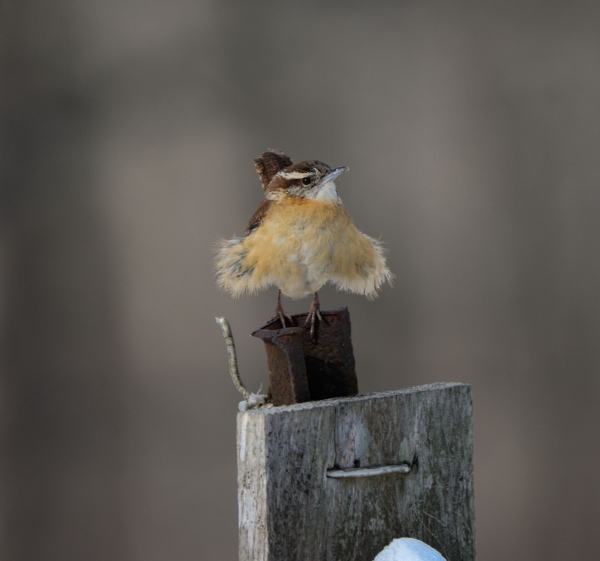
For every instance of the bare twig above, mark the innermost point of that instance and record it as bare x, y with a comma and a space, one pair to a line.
251, 400
231, 355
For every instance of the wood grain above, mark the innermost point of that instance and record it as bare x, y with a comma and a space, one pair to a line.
289, 510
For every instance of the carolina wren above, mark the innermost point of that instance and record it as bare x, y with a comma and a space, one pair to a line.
299, 239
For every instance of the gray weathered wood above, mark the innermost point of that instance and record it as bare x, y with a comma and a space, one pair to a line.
289, 510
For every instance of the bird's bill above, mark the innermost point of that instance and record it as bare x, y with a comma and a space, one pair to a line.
333, 174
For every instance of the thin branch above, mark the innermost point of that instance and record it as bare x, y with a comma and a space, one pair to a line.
251, 400
231, 355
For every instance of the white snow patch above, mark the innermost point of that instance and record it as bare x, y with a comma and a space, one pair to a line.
408, 549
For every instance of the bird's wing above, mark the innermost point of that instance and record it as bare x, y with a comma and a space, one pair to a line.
258, 216
270, 164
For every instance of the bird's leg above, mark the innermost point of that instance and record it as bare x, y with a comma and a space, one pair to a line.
313, 314
281, 314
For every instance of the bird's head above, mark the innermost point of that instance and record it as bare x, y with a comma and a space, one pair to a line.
310, 180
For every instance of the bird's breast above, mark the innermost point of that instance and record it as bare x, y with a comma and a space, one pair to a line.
299, 246
303, 243
307, 232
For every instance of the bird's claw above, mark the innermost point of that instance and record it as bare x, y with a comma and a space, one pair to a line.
311, 319
281, 313
283, 317
314, 314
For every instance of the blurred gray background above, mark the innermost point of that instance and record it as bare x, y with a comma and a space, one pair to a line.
472, 131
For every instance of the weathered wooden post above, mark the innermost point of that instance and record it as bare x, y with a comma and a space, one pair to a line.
338, 479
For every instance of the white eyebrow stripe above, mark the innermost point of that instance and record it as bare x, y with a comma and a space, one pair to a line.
294, 174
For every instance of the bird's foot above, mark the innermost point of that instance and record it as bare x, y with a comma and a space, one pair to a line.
281, 313
314, 314
283, 317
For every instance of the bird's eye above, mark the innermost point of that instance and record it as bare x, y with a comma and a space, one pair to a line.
306, 181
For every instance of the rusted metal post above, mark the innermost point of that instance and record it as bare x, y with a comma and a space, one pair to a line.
288, 382
301, 369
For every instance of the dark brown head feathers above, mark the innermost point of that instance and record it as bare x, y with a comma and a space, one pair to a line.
270, 164
307, 166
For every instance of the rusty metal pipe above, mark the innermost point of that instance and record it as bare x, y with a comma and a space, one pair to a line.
301, 369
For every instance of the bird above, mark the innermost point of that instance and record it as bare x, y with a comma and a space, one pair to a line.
300, 238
